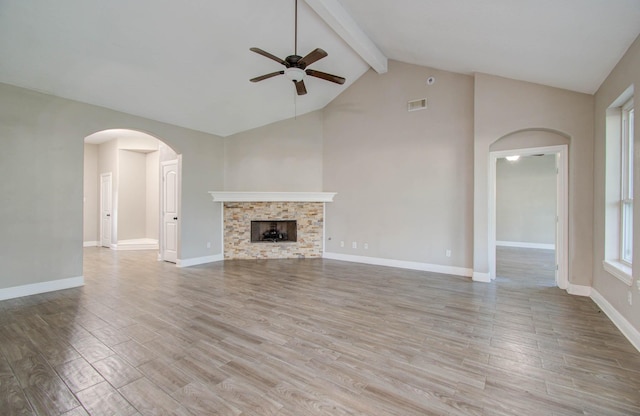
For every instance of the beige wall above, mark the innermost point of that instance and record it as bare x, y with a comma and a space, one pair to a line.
284, 156
90, 214
625, 74
526, 200
132, 195
404, 179
152, 200
45, 216
504, 106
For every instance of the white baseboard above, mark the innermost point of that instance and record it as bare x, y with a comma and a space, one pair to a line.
525, 245
579, 290
126, 247
90, 244
42, 287
632, 334
136, 244
199, 260
426, 267
481, 277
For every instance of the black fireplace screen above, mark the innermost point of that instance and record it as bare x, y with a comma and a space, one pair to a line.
273, 231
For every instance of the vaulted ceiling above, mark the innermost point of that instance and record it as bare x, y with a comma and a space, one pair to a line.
189, 64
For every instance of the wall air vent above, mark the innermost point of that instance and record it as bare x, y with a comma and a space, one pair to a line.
416, 105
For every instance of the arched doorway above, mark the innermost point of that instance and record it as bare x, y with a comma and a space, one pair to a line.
527, 144
125, 197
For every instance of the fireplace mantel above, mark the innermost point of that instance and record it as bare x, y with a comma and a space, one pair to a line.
272, 196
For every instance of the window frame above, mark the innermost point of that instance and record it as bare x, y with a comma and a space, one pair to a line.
626, 185
618, 201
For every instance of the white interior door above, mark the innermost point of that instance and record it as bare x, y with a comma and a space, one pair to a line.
106, 204
169, 204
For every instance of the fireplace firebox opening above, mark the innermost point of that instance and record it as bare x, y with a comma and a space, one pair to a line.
271, 231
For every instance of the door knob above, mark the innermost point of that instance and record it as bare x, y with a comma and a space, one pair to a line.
175, 218
108, 215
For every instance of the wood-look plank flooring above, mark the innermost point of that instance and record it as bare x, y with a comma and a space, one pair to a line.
308, 337
528, 264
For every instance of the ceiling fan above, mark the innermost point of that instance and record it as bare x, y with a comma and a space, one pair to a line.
296, 65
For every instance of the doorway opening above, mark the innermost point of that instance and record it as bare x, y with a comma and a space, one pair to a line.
528, 215
125, 193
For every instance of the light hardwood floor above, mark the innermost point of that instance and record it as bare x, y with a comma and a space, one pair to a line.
308, 337
533, 265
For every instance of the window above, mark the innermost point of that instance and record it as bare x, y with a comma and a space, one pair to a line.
619, 188
626, 198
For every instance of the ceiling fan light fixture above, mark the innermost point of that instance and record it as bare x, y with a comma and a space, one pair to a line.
294, 74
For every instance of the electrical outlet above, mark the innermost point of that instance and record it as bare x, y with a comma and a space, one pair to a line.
354, 244
208, 244
366, 246
448, 253
341, 243
629, 298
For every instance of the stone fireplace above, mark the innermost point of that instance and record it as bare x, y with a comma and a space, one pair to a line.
284, 224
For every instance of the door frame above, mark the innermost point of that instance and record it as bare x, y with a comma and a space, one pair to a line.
178, 161
112, 214
562, 207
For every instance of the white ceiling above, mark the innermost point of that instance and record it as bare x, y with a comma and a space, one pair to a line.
188, 63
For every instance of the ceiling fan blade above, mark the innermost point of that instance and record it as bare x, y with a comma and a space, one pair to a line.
325, 76
300, 88
266, 76
312, 57
270, 56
